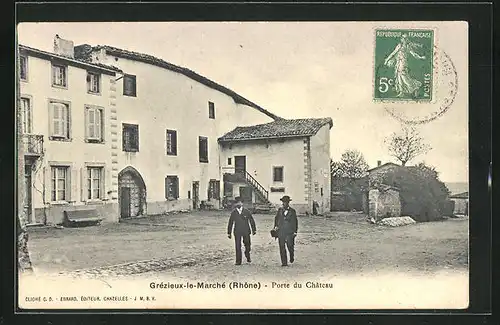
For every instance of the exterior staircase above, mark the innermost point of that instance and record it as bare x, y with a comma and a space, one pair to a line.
262, 204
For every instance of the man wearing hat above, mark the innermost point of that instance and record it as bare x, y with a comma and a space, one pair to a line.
286, 225
242, 220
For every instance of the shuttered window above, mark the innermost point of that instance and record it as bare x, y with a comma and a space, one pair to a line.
214, 189
94, 123
27, 115
60, 180
203, 149
24, 68
94, 183
59, 120
93, 83
171, 142
59, 75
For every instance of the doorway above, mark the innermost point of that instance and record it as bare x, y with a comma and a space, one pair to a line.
240, 165
196, 195
28, 188
132, 193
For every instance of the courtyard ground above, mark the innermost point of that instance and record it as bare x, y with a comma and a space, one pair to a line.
424, 265
195, 245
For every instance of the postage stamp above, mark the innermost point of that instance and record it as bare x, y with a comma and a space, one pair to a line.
404, 64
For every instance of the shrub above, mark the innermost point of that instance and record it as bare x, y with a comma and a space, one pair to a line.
423, 195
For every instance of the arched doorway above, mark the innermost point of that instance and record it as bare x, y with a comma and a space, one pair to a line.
131, 193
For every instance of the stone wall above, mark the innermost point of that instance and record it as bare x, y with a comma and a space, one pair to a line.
384, 203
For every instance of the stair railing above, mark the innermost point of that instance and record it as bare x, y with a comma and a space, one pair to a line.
256, 184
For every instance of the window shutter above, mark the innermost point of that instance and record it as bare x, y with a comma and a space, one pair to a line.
54, 120
54, 77
83, 184
97, 128
64, 120
166, 187
72, 184
176, 187
91, 125
102, 184
87, 133
47, 183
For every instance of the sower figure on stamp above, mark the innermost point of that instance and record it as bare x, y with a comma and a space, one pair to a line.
286, 224
242, 220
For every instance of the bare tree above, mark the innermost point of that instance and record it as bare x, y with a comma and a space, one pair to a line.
406, 144
23, 257
352, 164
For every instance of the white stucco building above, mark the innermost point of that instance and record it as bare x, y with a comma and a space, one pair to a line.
263, 162
128, 134
66, 106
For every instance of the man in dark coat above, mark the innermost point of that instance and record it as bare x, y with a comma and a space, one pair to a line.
242, 220
285, 223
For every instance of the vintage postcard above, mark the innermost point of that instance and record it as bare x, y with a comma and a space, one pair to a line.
243, 165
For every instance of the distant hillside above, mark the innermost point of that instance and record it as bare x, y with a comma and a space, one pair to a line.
457, 187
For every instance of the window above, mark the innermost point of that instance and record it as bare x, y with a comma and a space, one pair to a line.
130, 139
59, 75
203, 149
94, 183
171, 142
211, 110
278, 174
93, 83
27, 115
59, 121
214, 189
129, 85
24, 68
60, 183
94, 124
171, 187
229, 161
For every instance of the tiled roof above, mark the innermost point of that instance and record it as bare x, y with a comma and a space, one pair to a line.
75, 61
464, 195
83, 51
382, 166
283, 128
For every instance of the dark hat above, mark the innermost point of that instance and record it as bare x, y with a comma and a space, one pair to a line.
285, 198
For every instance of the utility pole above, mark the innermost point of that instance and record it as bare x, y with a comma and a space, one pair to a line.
23, 257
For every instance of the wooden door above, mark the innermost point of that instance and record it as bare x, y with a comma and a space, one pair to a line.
240, 164
246, 194
196, 194
125, 202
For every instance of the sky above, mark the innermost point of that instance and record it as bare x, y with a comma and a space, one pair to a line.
296, 70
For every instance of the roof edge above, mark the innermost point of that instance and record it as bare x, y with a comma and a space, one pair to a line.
44, 54
150, 59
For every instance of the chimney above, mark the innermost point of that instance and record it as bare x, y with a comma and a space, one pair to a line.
63, 47
379, 163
